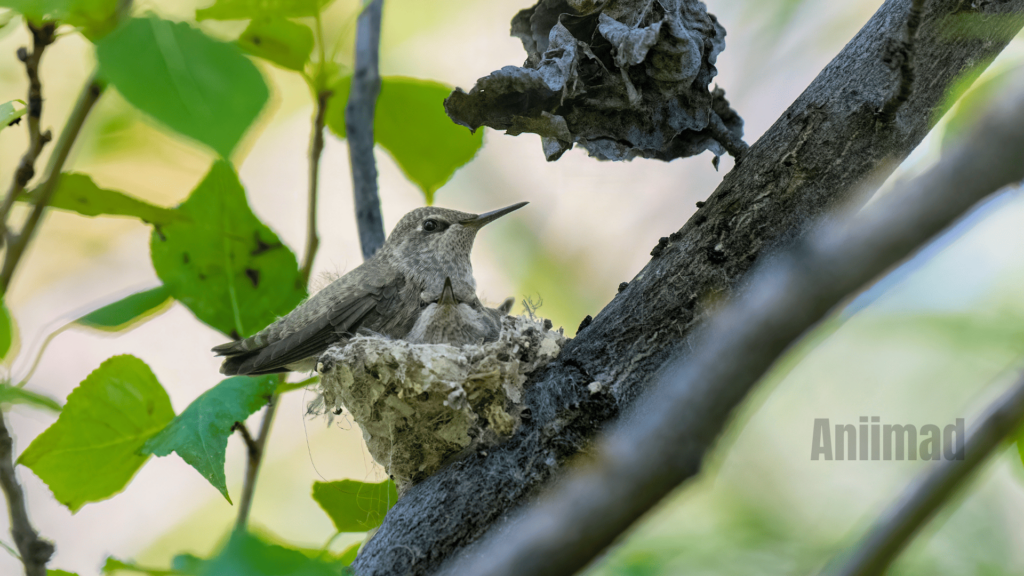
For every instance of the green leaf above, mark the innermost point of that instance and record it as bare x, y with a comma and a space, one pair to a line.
6, 330
231, 271
200, 434
9, 113
187, 564
15, 395
248, 555
94, 17
113, 565
92, 451
283, 42
52, 572
255, 9
410, 123
127, 311
78, 193
355, 506
193, 84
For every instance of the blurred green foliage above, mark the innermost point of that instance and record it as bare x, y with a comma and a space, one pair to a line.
256, 9
93, 17
127, 311
972, 100
78, 193
14, 395
92, 451
6, 330
197, 86
283, 42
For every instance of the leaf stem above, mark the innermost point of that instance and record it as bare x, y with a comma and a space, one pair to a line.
256, 449
41, 38
16, 248
359, 113
316, 148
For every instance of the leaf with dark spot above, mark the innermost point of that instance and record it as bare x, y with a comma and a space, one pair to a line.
232, 279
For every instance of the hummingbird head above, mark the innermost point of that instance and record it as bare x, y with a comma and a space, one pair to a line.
433, 243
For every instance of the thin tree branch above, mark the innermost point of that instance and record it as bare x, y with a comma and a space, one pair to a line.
256, 449
825, 151
906, 53
642, 460
362, 105
894, 530
41, 38
35, 552
16, 247
316, 148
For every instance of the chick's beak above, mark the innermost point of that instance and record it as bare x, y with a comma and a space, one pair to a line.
480, 220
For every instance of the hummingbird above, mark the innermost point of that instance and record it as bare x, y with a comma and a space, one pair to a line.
449, 321
424, 262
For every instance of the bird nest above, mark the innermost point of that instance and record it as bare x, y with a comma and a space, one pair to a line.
421, 406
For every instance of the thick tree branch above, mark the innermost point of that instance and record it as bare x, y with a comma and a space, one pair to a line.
255, 449
35, 552
316, 148
905, 54
649, 455
823, 151
362, 105
41, 38
900, 524
41, 200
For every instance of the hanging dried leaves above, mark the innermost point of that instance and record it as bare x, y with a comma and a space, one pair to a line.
622, 78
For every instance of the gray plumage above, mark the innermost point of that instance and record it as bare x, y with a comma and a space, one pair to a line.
384, 295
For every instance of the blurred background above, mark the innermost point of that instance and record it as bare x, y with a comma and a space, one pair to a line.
936, 340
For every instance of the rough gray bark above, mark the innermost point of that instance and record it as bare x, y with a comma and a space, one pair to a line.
645, 457
826, 147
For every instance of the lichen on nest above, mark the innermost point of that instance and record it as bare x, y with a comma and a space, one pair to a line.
422, 405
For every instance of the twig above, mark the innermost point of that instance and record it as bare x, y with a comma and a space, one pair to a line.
35, 552
732, 143
316, 148
255, 458
41, 38
643, 460
888, 110
362, 105
17, 245
894, 530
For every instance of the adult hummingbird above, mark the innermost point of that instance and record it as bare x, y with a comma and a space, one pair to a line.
424, 260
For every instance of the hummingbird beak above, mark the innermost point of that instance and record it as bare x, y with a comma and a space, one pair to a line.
447, 294
480, 220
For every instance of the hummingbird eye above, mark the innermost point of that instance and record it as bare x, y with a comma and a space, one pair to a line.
430, 225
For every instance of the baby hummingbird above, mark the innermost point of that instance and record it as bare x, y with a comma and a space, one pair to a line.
449, 321
424, 260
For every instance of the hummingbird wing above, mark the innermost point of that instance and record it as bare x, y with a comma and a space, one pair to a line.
343, 318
